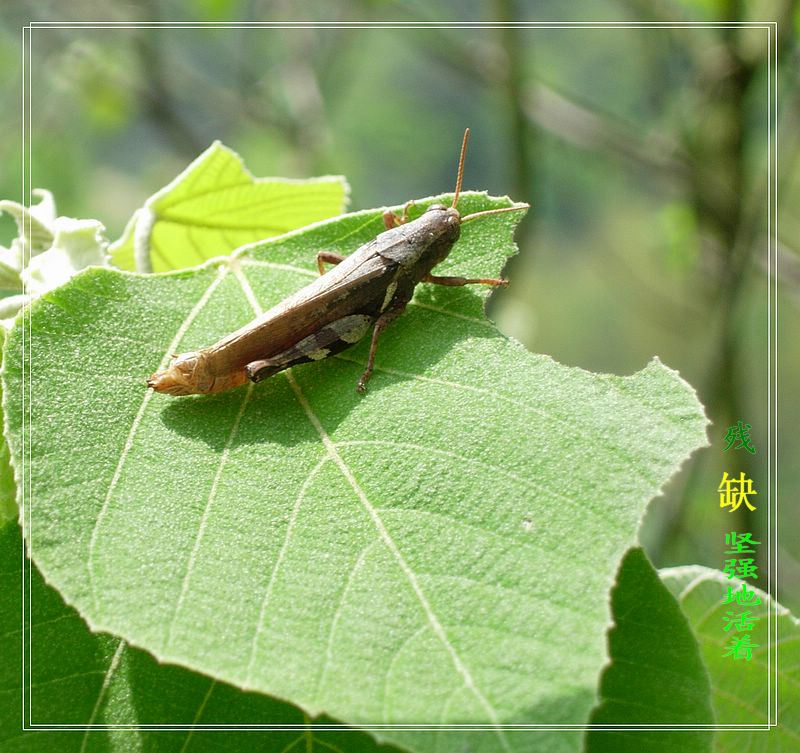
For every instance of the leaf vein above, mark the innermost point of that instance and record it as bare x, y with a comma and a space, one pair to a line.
427, 451
112, 668
173, 346
278, 562
613, 449
430, 616
334, 455
337, 613
200, 709
207, 511
398, 651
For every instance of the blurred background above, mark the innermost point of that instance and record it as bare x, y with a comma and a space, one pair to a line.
643, 151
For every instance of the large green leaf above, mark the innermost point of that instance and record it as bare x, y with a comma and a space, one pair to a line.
216, 205
438, 551
742, 689
656, 675
74, 677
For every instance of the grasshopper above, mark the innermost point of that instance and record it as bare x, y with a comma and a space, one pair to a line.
367, 289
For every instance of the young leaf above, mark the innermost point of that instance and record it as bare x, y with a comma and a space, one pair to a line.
75, 677
77, 244
216, 205
656, 675
439, 550
34, 229
742, 689
47, 251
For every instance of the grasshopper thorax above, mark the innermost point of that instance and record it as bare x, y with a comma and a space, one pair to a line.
450, 214
441, 224
447, 220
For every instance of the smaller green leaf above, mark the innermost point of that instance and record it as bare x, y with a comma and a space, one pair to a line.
742, 689
656, 675
215, 206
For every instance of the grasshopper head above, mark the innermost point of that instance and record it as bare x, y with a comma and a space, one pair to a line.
186, 375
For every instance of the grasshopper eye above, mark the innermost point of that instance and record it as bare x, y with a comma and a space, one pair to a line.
452, 216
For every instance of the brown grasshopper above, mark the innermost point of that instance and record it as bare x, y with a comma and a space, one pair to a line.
368, 289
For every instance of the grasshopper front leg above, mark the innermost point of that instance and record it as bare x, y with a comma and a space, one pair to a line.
390, 219
328, 257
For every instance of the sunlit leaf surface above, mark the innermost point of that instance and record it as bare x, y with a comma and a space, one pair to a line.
438, 551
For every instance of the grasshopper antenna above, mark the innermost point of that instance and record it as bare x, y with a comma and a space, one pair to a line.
488, 212
461, 167
459, 177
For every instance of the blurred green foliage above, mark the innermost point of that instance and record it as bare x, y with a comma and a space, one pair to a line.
644, 152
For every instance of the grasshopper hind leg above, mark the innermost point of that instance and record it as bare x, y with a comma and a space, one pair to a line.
381, 323
328, 340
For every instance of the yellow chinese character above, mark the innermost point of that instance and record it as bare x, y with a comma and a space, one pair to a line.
732, 492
